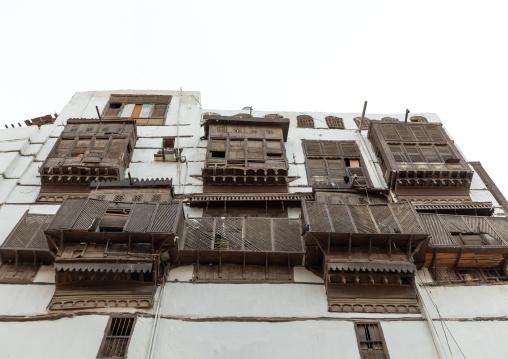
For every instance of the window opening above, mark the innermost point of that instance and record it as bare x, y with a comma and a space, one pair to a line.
370, 341
334, 122
305, 121
116, 338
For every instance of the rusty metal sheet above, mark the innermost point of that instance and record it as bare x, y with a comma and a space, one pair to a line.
375, 266
105, 267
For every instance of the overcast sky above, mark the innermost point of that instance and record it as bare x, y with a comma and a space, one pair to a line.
447, 57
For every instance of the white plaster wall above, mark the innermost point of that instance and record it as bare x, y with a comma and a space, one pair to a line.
292, 300
406, 339
22, 299
480, 339
232, 340
483, 301
76, 338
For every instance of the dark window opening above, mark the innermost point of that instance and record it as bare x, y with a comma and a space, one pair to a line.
274, 154
218, 154
168, 142
115, 105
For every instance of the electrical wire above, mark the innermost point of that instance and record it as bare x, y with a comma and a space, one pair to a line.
443, 322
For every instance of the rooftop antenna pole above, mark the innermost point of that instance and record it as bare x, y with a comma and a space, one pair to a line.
98, 113
407, 113
363, 116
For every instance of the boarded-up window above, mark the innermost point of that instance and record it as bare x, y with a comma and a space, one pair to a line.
334, 122
371, 341
333, 162
116, 339
305, 121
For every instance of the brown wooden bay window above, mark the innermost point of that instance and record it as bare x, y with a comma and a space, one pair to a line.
417, 156
246, 151
89, 150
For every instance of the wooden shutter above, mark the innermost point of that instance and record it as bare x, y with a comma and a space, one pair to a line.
63, 148
236, 150
349, 149
435, 133
420, 133
413, 153
116, 148
97, 150
389, 133
398, 153
80, 148
429, 153
313, 148
317, 170
336, 170
445, 152
255, 150
216, 145
404, 133
332, 148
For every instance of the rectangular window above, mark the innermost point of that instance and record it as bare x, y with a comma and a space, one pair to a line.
371, 341
116, 339
143, 108
334, 122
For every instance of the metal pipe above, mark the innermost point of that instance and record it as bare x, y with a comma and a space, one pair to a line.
407, 113
363, 116
98, 113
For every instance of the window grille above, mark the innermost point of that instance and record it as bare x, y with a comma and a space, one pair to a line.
156, 197
390, 119
370, 341
118, 198
305, 121
334, 122
137, 197
116, 339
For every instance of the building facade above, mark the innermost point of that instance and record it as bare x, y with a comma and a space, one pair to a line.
137, 224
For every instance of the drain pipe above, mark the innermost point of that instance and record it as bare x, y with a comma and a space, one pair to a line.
441, 352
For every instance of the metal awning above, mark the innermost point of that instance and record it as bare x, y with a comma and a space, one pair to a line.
396, 267
105, 267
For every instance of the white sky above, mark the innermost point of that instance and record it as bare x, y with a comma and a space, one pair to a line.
447, 57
